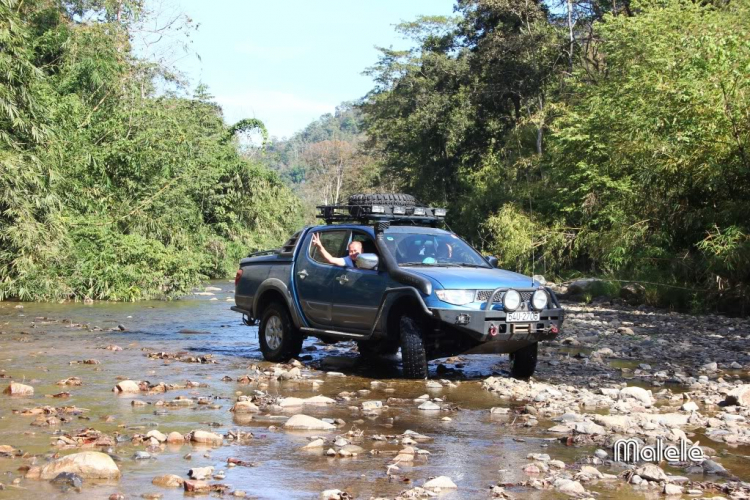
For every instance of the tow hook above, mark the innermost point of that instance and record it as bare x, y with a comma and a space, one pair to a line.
554, 330
493, 330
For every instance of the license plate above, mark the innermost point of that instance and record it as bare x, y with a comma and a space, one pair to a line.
522, 316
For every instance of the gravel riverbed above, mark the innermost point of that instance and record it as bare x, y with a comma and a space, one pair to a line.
168, 399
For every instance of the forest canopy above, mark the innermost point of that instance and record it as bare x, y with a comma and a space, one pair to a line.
109, 188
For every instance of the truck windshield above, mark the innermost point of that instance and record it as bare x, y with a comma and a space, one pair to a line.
431, 249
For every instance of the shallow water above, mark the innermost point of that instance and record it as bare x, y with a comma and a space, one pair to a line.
38, 343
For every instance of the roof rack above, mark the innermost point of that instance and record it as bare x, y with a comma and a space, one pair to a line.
392, 214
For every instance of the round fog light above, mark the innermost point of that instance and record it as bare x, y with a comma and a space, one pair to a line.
511, 300
539, 300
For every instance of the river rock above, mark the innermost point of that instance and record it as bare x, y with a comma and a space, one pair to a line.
205, 437
16, 389
175, 438
291, 402
303, 422
690, 406
637, 393
440, 483
315, 444
583, 285
192, 486
672, 489
245, 407
429, 405
159, 436
200, 472
569, 487
319, 401
127, 387
739, 396
651, 472
87, 464
332, 495
168, 481
68, 479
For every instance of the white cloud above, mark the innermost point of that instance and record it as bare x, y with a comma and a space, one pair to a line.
282, 113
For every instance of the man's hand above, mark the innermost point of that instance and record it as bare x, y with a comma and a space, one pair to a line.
316, 240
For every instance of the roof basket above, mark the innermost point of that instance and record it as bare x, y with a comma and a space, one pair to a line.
372, 214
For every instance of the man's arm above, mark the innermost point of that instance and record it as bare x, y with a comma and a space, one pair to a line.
336, 261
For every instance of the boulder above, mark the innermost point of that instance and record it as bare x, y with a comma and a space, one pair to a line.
159, 436
175, 438
87, 464
319, 401
127, 387
168, 481
579, 287
16, 389
205, 437
740, 396
638, 393
569, 487
440, 483
633, 293
304, 422
191, 486
245, 407
651, 472
200, 473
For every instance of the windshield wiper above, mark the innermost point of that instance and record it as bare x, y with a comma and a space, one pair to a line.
464, 264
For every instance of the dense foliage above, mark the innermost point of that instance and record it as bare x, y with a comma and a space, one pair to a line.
589, 136
108, 189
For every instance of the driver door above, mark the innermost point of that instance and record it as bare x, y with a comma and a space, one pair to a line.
313, 277
356, 293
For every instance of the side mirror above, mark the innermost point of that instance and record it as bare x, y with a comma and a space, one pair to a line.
367, 261
491, 260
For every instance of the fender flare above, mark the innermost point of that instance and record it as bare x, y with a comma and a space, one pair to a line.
275, 284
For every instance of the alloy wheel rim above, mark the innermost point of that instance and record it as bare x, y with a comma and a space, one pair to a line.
273, 332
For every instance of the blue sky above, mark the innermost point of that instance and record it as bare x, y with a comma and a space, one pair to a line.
287, 62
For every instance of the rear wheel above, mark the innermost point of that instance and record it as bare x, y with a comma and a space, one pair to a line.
523, 361
279, 340
413, 352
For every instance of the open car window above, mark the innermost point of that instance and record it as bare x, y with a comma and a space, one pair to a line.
333, 241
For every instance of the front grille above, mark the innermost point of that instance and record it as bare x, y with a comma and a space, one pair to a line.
483, 295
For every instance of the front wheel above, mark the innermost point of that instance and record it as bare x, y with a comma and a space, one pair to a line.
413, 352
523, 361
279, 340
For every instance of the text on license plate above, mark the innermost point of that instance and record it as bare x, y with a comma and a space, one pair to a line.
523, 316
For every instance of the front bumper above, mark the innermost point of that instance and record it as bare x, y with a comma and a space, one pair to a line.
479, 324
490, 325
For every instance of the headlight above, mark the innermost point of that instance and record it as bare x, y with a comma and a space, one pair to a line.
539, 300
456, 297
511, 300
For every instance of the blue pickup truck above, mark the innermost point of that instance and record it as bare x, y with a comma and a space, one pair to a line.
414, 287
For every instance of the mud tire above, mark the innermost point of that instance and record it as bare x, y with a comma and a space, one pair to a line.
523, 361
279, 340
359, 204
413, 352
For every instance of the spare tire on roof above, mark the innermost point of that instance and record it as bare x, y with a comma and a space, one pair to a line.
359, 204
